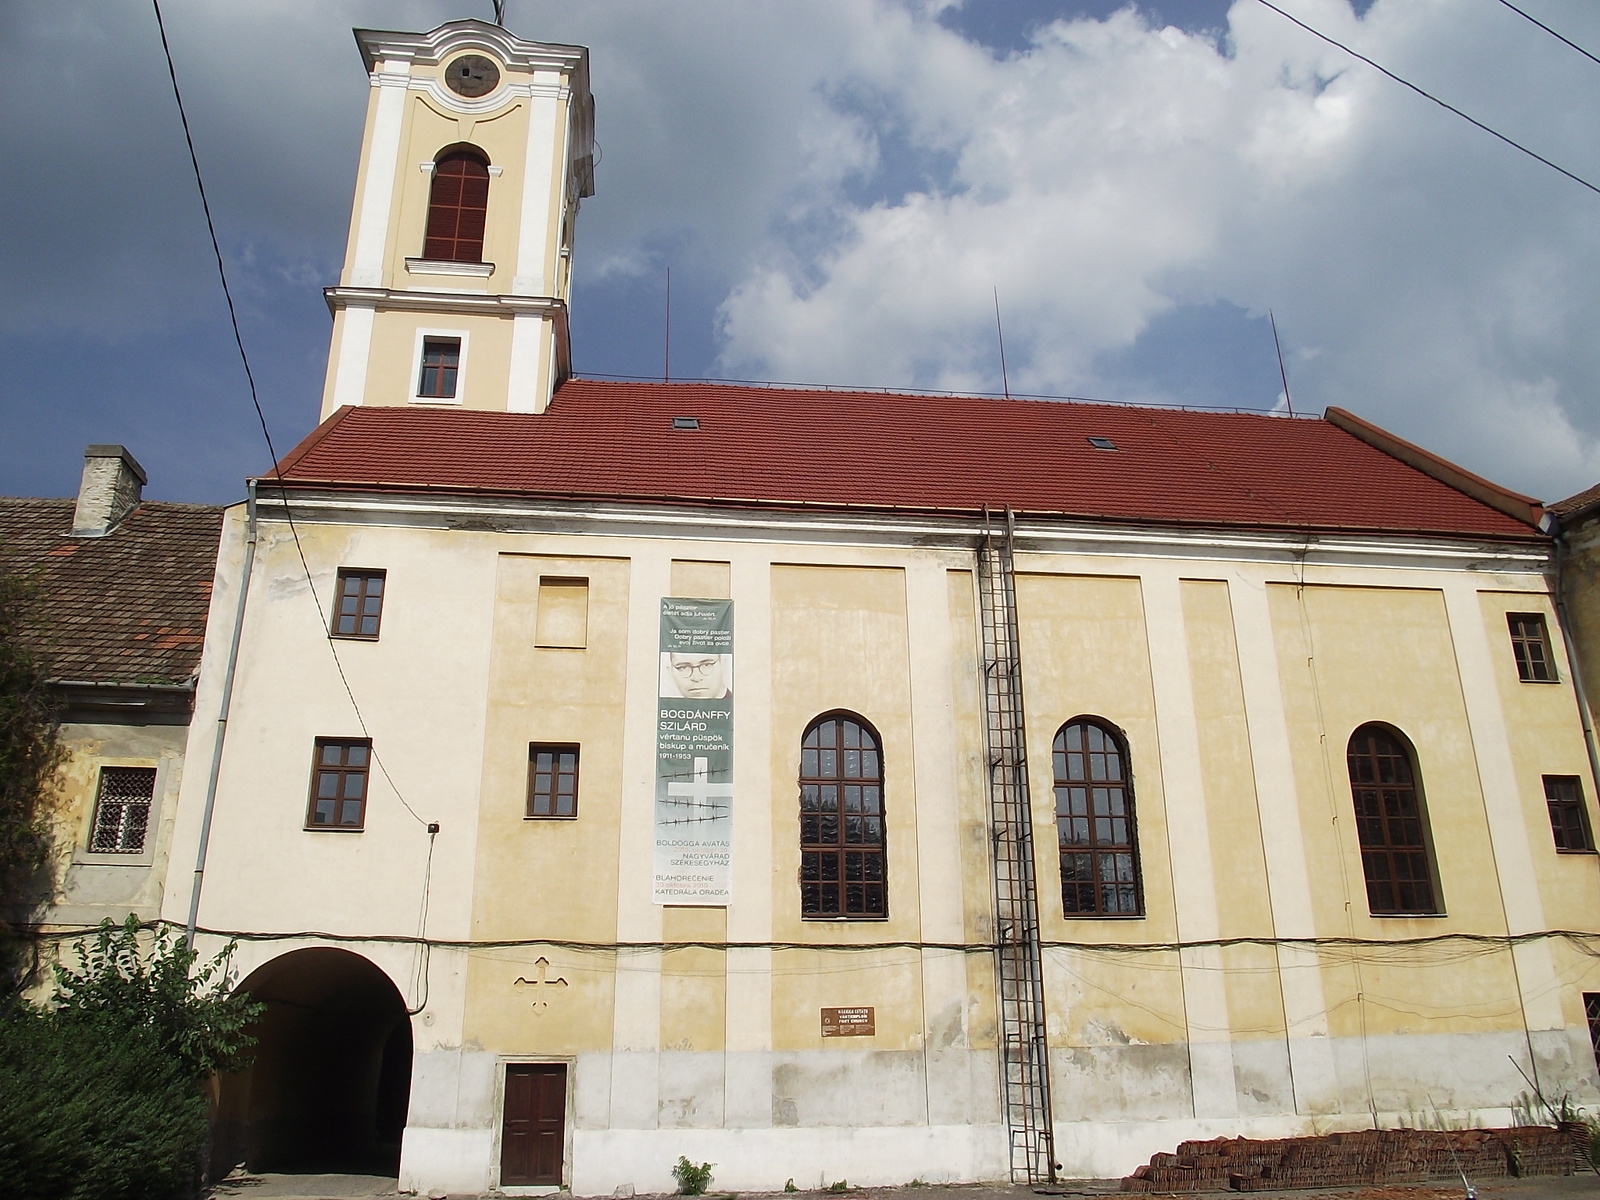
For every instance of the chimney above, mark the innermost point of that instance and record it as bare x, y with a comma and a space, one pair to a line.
112, 483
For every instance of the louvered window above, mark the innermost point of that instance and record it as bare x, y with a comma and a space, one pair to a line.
122, 809
458, 207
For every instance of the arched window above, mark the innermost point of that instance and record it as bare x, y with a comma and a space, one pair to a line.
457, 207
1095, 829
1390, 823
842, 869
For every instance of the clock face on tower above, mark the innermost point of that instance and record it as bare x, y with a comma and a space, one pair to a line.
472, 75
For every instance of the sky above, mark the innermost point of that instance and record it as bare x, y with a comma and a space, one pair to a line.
840, 189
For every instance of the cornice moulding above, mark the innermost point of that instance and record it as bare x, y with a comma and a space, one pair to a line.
1035, 535
467, 303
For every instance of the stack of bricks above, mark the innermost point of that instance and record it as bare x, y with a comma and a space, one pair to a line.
1373, 1156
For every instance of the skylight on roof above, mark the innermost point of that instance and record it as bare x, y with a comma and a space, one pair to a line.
686, 422
1102, 443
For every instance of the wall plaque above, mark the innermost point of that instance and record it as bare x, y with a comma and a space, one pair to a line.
847, 1022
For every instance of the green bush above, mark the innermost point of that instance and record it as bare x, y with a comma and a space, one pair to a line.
100, 1095
93, 1109
692, 1179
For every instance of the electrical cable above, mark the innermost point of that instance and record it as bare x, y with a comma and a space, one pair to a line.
1429, 96
1586, 942
266, 433
1551, 32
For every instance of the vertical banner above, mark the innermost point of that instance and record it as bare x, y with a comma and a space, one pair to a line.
694, 753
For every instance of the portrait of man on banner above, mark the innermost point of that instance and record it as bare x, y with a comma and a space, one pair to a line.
696, 675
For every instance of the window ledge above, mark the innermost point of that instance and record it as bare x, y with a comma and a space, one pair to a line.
830, 919
1406, 916
1538, 681
437, 266
1579, 853
113, 858
1070, 917
333, 829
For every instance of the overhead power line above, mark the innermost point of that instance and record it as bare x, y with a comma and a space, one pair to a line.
1551, 32
1515, 145
261, 417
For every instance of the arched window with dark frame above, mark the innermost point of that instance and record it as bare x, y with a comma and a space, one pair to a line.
842, 869
1095, 828
458, 207
1391, 823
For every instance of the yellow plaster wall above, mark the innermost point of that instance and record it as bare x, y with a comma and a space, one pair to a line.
1244, 908
1352, 655
840, 641
1546, 740
1085, 653
972, 800
392, 364
549, 878
503, 138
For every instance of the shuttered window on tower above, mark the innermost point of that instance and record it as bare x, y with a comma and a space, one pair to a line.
458, 207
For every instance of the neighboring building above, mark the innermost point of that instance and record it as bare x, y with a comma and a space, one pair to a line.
834, 785
1577, 523
125, 585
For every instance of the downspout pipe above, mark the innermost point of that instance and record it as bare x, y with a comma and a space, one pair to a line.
1572, 660
222, 715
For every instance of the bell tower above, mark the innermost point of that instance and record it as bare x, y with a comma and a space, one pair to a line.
477, 150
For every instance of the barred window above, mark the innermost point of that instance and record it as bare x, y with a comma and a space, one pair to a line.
1391, 824
552, 780
842, 867
1095, 829
1569, 822
339, 784
122, 809
1531, 646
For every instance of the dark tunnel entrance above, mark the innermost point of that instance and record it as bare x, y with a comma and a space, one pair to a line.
331, 1080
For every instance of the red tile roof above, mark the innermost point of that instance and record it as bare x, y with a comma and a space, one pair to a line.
758, 446
126, 608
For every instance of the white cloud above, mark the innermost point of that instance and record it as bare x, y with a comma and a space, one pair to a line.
1443, 282
848, 180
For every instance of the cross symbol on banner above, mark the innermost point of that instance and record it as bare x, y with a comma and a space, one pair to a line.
702, 792
540, 996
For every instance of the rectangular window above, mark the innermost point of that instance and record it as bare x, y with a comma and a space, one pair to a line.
562, 621
1532, 648
1568, 820
1591, 1009
552, 780
441, 360
359, 603
122, 809
339, 783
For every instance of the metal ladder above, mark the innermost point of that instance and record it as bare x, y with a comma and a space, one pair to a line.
1024, 1052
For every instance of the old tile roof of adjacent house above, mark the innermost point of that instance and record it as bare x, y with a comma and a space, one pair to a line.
127, 608
1584, 500
789, 446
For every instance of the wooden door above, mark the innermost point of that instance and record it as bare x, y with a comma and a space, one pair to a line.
533, 1141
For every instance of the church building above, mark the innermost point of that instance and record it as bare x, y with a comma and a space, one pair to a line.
835, 785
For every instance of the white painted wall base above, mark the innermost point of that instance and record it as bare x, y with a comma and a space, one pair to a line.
764, 1159
445, 1160
863, 1116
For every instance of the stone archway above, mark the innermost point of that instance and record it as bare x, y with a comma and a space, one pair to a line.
331, 1080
